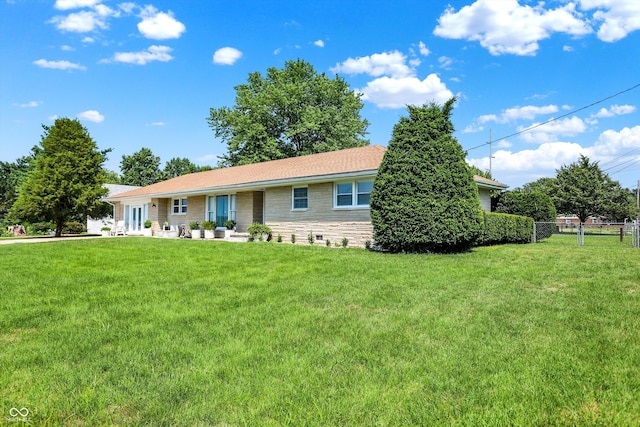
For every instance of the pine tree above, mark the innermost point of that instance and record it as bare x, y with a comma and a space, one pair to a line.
68, 177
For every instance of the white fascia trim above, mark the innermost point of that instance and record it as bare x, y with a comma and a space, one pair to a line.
261, 185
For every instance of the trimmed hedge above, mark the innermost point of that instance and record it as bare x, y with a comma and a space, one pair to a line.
502, 228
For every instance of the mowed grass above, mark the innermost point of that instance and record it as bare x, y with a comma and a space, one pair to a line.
134, 331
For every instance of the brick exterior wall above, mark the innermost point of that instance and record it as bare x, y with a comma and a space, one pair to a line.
320, 218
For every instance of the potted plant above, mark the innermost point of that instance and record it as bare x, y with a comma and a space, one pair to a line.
259, 232
229, 228
147, 228
209, 227
105, 231
195, 230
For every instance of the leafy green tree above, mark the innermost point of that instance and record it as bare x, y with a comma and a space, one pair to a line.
584, 190
111, 177
424, 198
178, 167
67, 179
141, 168
289, 112
12, 175
533, 204
477, 171
548, 186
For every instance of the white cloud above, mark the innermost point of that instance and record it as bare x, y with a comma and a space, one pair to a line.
74, 4
386, 63
80, 22
277, 51
153, 53
389, 92
227, 56
88, 40
618, 17
528, 165
615, 110
67, 48
424, 50
127, 7
611, 143
506, 27
58, 65
566, 48
159, 25
319, 43
91, 116
30, 104
550, 132
445, 62
528, 112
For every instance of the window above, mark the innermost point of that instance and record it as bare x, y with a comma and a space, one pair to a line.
300, 198
180, 206
353, 194
344, 194
221, 208
364, 192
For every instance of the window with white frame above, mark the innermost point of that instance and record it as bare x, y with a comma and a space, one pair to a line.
300, 198
180, 206
353, 194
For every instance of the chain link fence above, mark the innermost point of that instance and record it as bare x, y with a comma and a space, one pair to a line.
544, 230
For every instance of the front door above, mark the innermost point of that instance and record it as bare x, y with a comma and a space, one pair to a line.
136, 219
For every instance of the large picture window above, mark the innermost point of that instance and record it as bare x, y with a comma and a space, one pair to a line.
353, 194
300, 198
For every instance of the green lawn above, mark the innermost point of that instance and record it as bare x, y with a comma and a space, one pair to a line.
134, 331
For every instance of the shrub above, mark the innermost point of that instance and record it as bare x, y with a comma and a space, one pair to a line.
208, 225
257, 230
293, 238
229, 224
424, 198
310, 238
39, 228
279, 240
502, 228
147, 223
194, 225
345, 242
535, 204
73, 227
327, 243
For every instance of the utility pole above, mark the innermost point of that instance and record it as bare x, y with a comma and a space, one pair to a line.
490, 152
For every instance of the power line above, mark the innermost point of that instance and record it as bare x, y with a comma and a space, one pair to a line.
557, 118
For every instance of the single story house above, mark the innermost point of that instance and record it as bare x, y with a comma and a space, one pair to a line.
325, 195
94, 225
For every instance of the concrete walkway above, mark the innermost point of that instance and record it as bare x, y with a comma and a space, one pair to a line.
43, 239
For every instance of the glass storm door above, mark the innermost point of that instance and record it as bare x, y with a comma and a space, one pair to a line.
222, 210
136, 218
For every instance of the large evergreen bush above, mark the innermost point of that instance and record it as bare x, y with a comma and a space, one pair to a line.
424, 198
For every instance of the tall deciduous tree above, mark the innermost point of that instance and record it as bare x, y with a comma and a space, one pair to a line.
178, 167
68, 177
289, 112
584, 190
424, 197
141, 168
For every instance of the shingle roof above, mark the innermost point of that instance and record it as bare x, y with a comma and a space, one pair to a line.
314, 166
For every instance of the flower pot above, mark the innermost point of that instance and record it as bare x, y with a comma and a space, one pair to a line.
228, 233
147, 232
105, 233
196, 234
209, 234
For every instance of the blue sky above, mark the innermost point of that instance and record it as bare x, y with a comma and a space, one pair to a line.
145, 74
